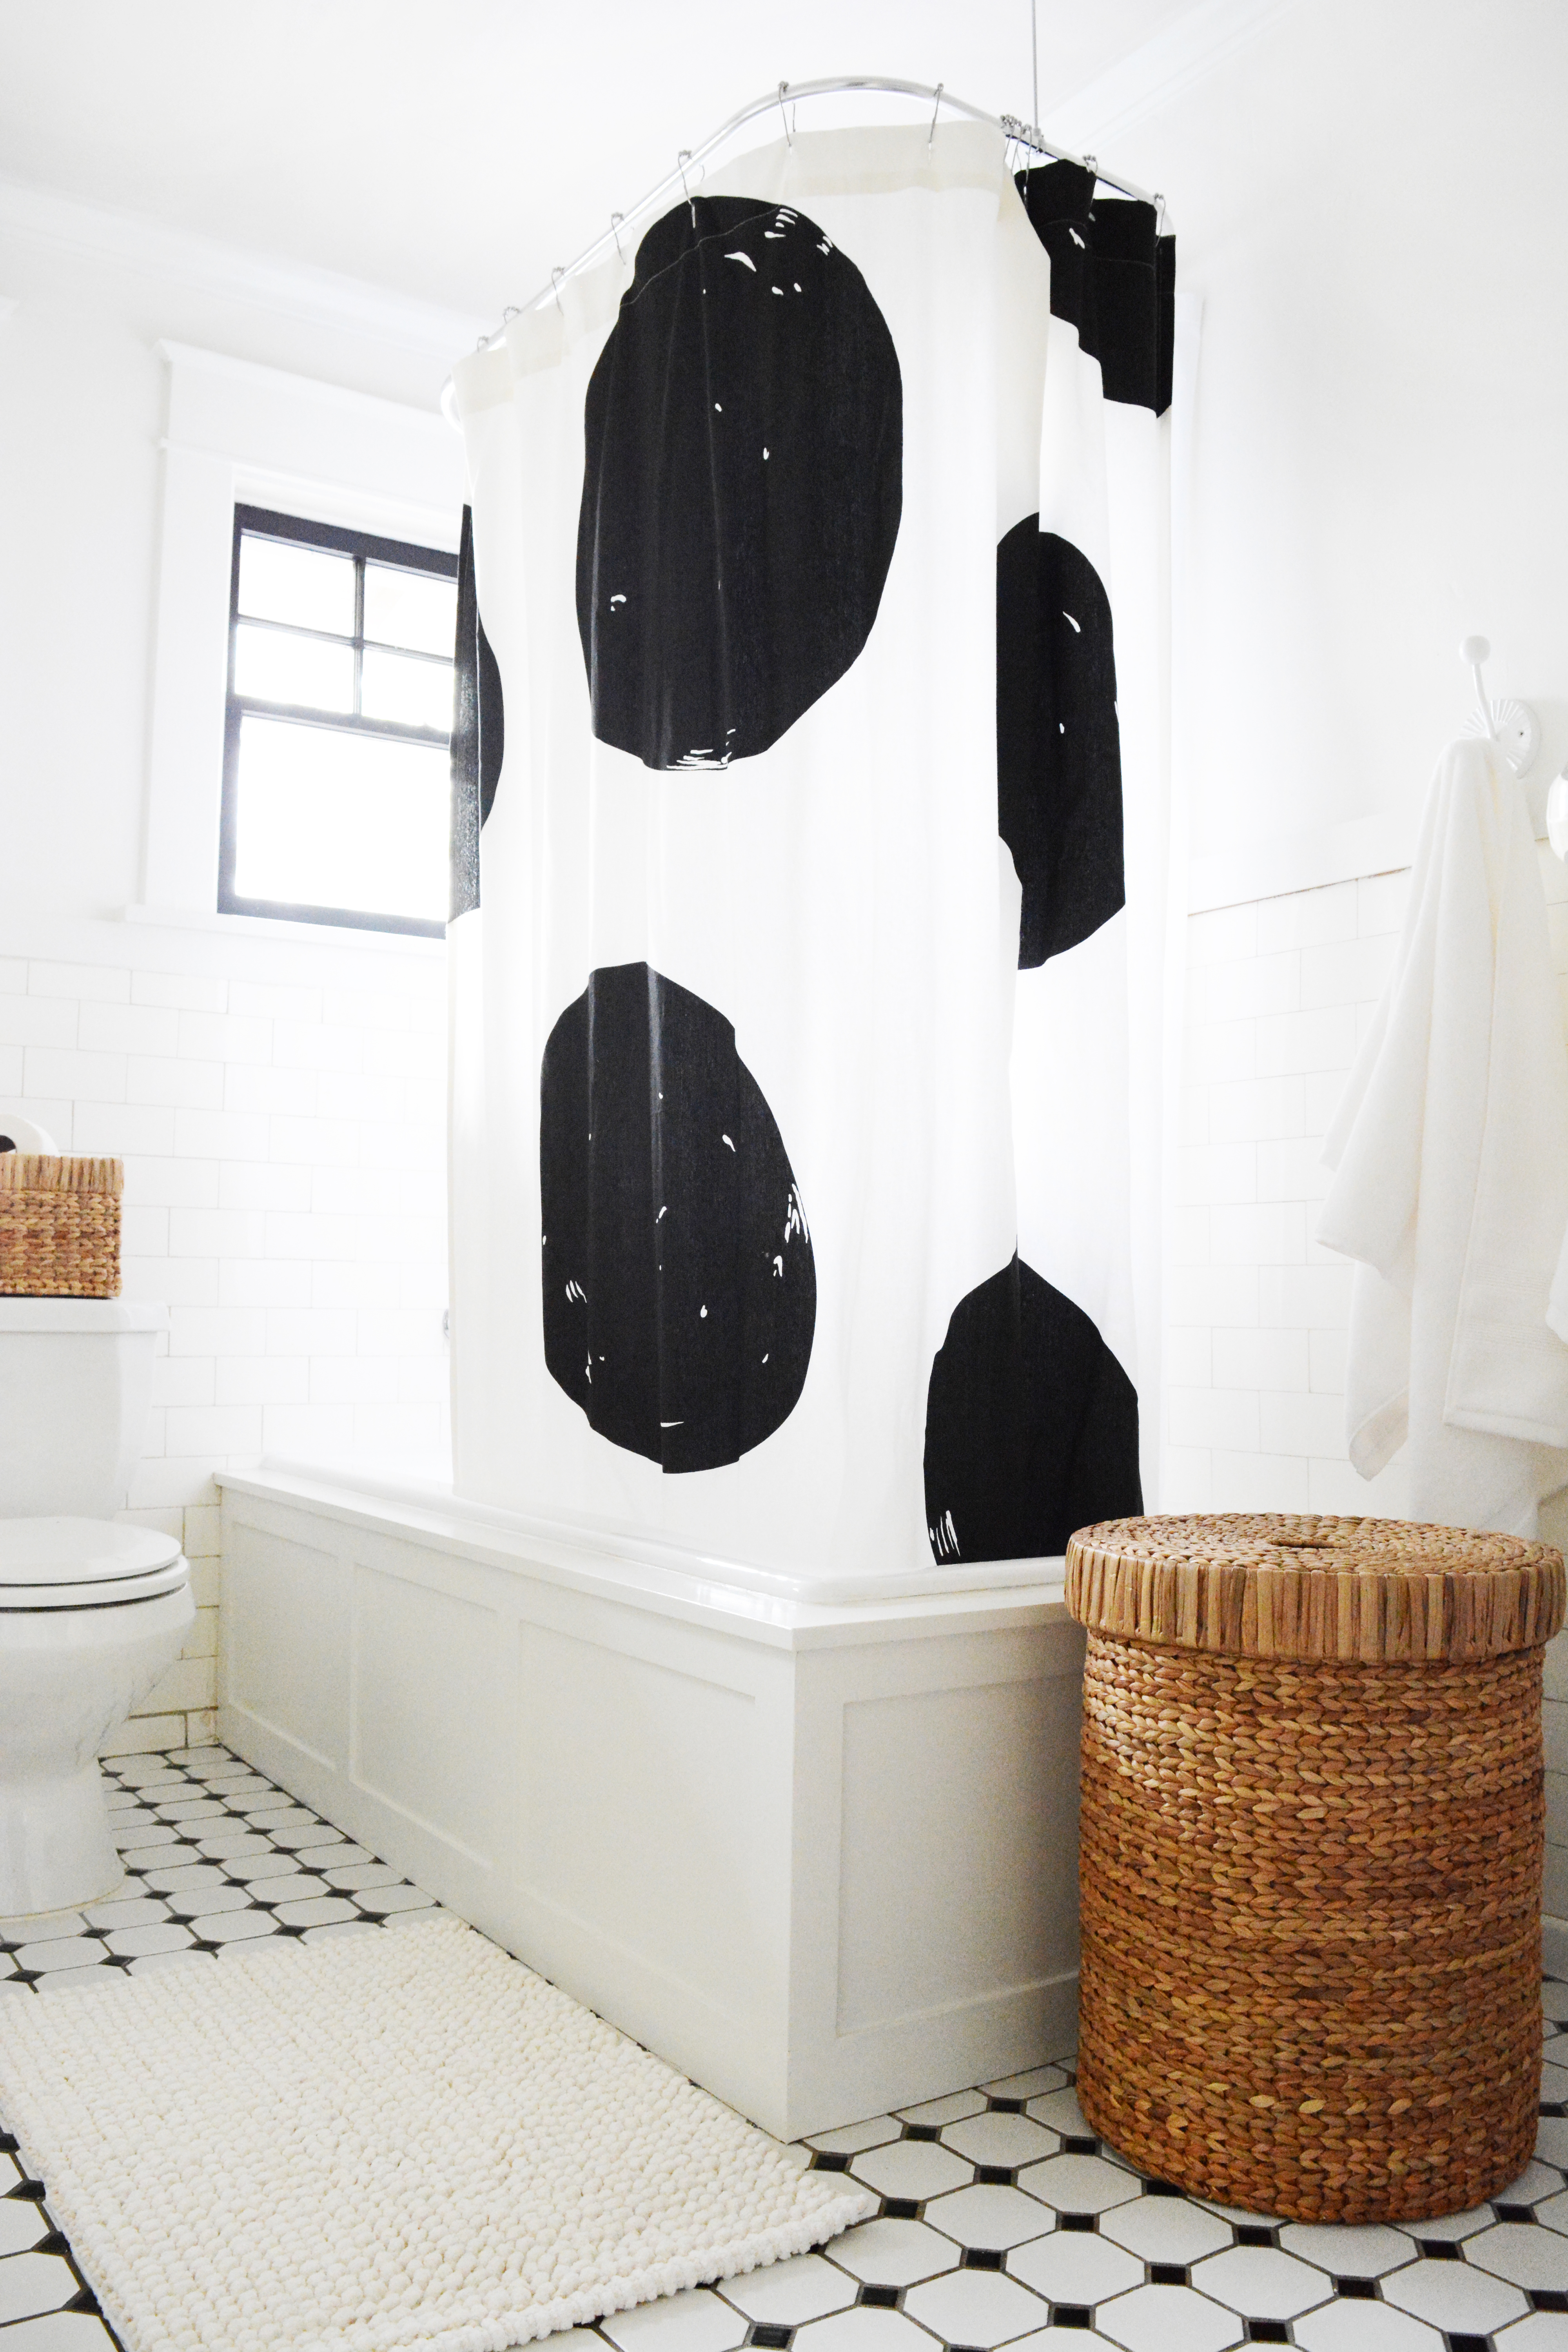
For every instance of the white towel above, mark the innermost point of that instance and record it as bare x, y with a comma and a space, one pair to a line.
1452, 1147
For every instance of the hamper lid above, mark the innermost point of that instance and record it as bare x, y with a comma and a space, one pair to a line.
1261, 1586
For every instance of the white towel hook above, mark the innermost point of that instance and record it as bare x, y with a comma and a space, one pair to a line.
1477, 650
1512, 726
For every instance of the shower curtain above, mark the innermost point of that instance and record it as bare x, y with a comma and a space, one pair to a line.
809, 789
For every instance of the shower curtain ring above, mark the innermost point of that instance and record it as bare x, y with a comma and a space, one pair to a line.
556, 275
784, 118
681, 162
936, 110
615, 220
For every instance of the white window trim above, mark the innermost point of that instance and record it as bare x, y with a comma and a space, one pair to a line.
240, 433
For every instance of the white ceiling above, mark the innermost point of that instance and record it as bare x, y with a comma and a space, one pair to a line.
455, 149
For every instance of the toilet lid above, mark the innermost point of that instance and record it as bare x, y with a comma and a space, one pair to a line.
73, 1563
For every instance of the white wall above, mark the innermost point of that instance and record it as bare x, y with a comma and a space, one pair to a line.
1279, 993
276, 1093
83, 411
1370, 202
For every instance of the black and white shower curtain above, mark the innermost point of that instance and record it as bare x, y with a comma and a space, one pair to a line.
809, 785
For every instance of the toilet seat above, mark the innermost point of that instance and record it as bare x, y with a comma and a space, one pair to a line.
62, 1563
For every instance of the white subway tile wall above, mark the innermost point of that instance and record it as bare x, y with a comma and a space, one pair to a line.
1279, 994
285, 1197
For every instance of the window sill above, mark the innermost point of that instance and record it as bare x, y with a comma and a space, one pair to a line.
346, 936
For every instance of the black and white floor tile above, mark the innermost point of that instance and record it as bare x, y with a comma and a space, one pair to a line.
1004, 2222
216, 1856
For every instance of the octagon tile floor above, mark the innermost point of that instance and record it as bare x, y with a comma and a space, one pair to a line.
1004, 2220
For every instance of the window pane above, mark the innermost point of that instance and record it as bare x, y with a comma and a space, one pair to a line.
412, 609
307, 585
326, 819
415, 693
274, 665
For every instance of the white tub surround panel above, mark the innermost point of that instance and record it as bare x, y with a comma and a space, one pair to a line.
822, 1858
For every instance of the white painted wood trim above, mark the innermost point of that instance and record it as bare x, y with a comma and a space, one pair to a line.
1310, 859
242, 432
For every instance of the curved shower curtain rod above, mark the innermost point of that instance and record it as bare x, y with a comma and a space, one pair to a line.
1024, 134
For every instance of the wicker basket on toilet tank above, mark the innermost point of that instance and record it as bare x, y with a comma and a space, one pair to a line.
1312, 1852
60, 1226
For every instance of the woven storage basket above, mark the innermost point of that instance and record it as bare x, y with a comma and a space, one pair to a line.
1311, 1854
60, 1226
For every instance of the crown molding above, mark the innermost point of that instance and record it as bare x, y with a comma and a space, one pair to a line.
320, 298
1159, 71
1185, 53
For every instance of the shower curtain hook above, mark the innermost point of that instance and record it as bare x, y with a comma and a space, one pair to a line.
784, 118
681, 162
936, 110
556, 275
1159, 214
615, 220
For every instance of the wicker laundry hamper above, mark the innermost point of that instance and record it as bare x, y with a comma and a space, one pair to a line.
60, 1226
1311, 1854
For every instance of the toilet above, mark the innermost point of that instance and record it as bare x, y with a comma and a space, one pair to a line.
92, 1611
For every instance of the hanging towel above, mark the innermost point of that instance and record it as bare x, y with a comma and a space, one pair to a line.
1451, 1191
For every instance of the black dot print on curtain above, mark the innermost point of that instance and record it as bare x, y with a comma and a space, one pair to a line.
678, 1283
479, 730
1031, 1425
742, 486
1112, 275
1058, 752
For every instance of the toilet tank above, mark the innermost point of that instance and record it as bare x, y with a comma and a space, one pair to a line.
76, 1381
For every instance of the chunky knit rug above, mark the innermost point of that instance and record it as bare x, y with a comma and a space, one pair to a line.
382, 2141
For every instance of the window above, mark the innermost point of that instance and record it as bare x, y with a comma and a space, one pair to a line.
336, 783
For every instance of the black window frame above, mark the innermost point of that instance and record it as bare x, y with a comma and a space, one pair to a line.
364, 547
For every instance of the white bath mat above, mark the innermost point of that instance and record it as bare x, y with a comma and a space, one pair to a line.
382, 2140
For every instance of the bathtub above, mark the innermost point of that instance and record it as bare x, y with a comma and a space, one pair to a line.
815, 1844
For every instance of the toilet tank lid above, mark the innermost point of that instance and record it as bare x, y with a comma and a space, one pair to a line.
82, 1315
64, 1550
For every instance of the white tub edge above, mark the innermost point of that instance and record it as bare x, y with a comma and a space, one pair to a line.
607, 1560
